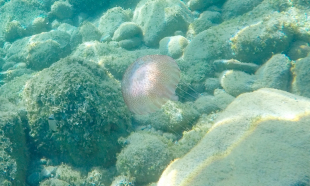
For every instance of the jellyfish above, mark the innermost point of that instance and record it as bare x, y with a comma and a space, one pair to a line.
150, 82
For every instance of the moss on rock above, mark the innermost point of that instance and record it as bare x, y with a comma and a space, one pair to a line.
88, 108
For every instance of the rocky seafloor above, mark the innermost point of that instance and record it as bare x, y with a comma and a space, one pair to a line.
243, 117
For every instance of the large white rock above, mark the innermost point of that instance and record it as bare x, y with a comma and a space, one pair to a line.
262, 138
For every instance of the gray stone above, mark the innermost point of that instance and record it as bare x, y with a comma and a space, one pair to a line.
127, 30
130, 43
205, 21
301, 78
232, 64
275, 73
237, 82
112, 19
161, 18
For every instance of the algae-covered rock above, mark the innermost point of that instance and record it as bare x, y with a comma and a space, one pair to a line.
144, 161
68, 174
257, 135
54, 181
89, 32
129, 35
206, 20
211, 84
41, 50
87, 106
127, 30
174, 117
112, 19
16, 18
13, 149
161, 18
115, 60
275, 73
62, 9
13, 89
298, 49
301, 78
233, 8
258, 42
237, 82
13, 30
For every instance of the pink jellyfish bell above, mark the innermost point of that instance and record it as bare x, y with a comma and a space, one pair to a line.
150, 82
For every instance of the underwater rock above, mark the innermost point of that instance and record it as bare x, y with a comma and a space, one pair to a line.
54, 181
68, 174
237, 82
211, 84
206, 20
201, 4
16, 17
173, 117
301, 78
89, 32
123, 181
173, 46
206, 104
222, 99
232, 64
112, 19
130, 44
260, 139
13, 30
62, 10
159, 19
88, 107
275, 73
13, 148
298, 49
39, 24
211, 44
100, 176
127, 30
65, 27
11, 90
141, 160
234, 8
129, 35
257, 42
41, 50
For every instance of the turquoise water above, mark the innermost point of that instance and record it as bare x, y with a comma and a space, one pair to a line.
242, 74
